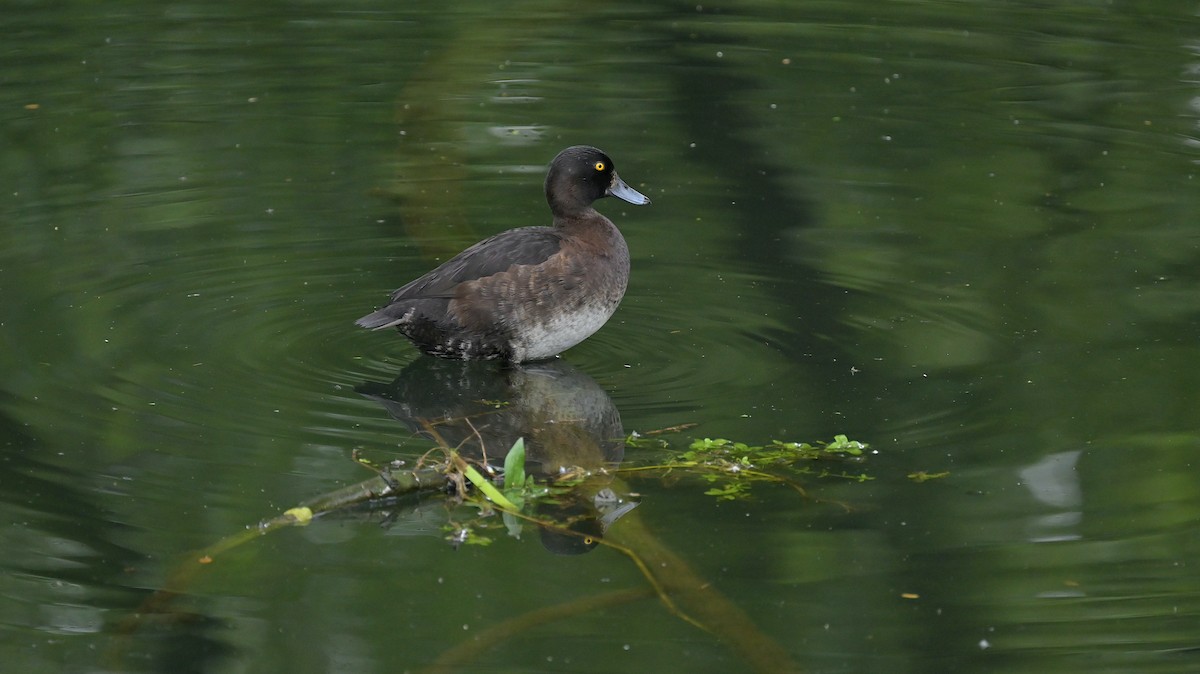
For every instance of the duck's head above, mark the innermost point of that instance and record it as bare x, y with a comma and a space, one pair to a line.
581, 174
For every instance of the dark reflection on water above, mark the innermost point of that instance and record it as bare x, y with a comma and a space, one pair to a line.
481, 409
962, 233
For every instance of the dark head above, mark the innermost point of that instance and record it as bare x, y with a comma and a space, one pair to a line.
580, 175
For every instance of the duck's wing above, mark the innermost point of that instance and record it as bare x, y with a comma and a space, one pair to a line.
515, 247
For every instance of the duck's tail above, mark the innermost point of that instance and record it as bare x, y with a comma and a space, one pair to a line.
384, 318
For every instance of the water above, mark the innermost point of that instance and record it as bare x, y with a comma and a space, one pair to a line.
964, 234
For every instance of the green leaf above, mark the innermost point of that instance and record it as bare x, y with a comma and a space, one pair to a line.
514, 467
843, 444
488, 488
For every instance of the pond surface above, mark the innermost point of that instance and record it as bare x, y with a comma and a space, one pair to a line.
963, 233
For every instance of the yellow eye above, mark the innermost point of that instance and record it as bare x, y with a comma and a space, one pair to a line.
599, 166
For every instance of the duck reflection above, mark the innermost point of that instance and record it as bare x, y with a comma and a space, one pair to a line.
482, 407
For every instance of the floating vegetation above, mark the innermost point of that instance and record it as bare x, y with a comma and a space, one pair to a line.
733, 467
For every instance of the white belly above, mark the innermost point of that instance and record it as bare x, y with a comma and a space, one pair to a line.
552, 337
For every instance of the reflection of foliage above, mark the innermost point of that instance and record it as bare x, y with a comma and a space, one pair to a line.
732, 467
922, 476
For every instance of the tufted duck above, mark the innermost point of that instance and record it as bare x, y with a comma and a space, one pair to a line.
529, 293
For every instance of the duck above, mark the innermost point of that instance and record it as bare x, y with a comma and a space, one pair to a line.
525, 294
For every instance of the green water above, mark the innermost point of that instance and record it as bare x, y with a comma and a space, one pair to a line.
965, 233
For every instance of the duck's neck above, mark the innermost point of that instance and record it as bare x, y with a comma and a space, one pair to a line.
576, 217
591, 230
